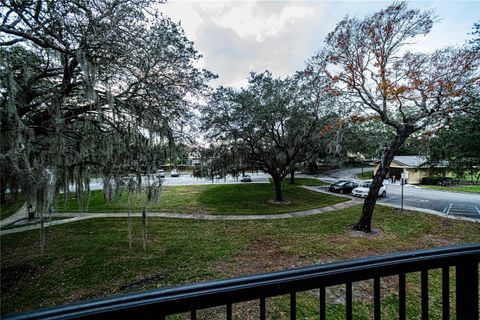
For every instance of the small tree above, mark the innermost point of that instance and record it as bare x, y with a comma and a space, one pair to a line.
409, 92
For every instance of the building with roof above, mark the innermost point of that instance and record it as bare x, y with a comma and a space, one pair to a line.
413, 168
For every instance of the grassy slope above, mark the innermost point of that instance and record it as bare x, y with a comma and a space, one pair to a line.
91, 258
455, 189
217, 199
10, 207
308, 182
367, 175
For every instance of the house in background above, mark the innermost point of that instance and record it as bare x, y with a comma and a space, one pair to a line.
413, 168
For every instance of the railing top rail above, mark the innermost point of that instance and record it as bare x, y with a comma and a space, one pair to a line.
178, 299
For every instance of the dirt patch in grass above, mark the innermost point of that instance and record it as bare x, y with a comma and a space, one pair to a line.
13, 276
261, 256
142, 281
362, 291
73, 296
436, 240
248, 310
360, 234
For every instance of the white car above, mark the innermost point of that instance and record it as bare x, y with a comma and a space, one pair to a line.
174, 173
246, 178
363, 189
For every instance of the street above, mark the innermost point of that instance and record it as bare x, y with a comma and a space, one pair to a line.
451, 203
186, 179
454, 203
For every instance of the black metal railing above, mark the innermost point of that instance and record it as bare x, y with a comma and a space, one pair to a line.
157, 304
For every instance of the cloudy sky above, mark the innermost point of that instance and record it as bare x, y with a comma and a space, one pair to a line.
236, 37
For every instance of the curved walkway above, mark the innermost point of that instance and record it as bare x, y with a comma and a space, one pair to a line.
72, 217
19, 215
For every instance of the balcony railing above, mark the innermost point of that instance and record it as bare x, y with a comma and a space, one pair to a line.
157, 304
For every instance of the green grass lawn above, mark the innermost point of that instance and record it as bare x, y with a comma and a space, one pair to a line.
455, 189
367, 175
307, 182
91, 258
215, 199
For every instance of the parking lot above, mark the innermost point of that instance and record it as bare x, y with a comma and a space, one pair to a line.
451, 203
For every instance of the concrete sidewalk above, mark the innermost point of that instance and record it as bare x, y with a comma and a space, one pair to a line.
17, 216
72, 217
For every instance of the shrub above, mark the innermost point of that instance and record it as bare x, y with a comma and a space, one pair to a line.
437, 181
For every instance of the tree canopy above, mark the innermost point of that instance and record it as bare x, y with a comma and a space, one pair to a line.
106, 86
90, 85
370, 65
272, 124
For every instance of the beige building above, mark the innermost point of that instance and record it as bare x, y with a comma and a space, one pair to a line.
413, 168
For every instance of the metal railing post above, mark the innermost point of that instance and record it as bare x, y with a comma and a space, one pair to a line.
156, 304
467, 289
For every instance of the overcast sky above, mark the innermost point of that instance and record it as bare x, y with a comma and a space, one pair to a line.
236, 37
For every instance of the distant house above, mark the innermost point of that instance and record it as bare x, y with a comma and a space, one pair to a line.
413, 168
193, 160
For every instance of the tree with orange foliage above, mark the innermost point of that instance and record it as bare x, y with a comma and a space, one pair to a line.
368, 62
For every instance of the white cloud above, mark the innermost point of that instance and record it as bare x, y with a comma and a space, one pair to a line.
236, 37
247, 20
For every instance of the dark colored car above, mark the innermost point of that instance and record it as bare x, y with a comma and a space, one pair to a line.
246, 178
343, 186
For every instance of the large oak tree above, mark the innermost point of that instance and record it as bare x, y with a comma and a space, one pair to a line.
369, 63
90, 85
271, 125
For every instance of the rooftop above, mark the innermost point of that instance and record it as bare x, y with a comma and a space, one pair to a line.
415, 161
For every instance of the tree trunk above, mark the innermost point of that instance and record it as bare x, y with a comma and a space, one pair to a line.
15, 193
144, 227
312, 167
292, 175
277, 181
129, 227
365, 222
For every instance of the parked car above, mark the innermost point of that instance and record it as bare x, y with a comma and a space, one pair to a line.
161, 173
362, 190
246, 178
343, 186
174, 173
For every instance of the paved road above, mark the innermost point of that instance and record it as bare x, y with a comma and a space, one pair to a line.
188, 179
452, 203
